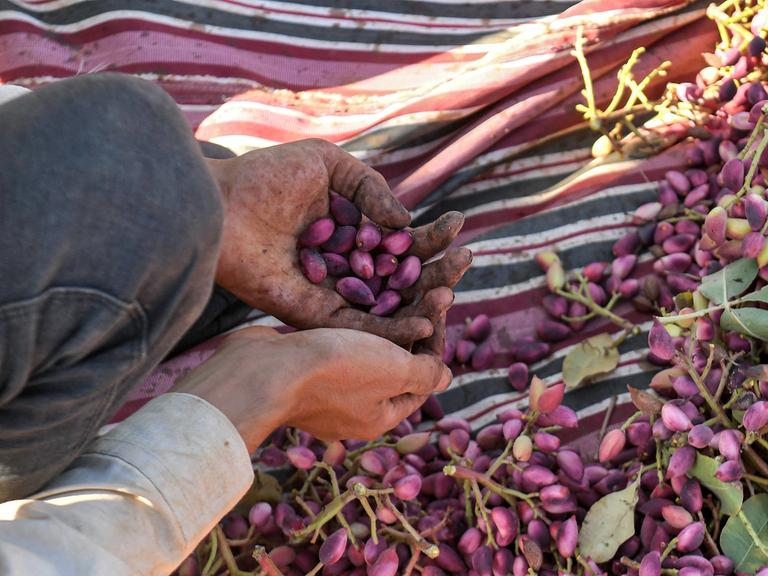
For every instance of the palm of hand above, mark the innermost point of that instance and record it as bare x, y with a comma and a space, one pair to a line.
273, 194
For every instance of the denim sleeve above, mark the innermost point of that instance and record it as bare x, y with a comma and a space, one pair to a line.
59, 353
110, 225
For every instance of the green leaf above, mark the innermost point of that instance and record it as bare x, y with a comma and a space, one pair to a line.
731, 494
756, 296
748, 321
609, 523
596, 355
749, 552
730, 281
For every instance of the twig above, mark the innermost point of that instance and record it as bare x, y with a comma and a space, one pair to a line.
212, 555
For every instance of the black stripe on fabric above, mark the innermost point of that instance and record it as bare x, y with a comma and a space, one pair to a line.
468, 10
517, 189
412, 135
580, 139
458, 398
500, 275
391, 138
207, 16
570, 214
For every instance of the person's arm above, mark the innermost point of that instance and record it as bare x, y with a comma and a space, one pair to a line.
270, 197
140, 498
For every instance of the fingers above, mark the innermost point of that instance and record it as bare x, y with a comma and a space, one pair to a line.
364, 186
435, 237
432, 306
447, 271
435, 344
426, 375
401, 331
405, 405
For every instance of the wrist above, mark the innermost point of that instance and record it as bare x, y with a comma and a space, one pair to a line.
253, 379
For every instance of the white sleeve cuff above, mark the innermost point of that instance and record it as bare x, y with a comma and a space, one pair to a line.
137, 500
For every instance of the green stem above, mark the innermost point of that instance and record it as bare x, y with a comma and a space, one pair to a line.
370, 446
578, 53
483, 513
751, 172
326, 514
226, 553
751, 138
310, 478
668, 549
756, 460
580, 560
690, 315
371, 516
584, 318
659, 463
647, 468
212, 555
704, 391
430, 550
336, 493
756, 479
467, 474
631, 420
500, 460
636, 565
714, 550
599, 310
468, 502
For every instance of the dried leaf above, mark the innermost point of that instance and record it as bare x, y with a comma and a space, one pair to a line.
748, 554
645, 401
730, 494
594, 356
532, 553
609, 523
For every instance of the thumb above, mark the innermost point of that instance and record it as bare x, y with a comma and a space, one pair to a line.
364, 186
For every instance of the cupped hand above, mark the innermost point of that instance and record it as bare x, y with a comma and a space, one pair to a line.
332, 383
271, 195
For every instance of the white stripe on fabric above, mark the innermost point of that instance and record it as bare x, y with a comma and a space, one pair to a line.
267, 9
116, 15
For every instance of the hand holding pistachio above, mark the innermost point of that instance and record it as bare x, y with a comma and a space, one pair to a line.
300, 217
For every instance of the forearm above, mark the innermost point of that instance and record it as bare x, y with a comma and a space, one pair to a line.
136, 501
215, 381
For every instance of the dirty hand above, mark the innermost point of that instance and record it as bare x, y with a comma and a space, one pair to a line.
271, 195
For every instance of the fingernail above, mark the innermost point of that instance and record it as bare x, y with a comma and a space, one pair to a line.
446, 379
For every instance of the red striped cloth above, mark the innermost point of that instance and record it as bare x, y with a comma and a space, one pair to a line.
449, 99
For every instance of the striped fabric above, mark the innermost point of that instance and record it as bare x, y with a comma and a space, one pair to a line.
465, 105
